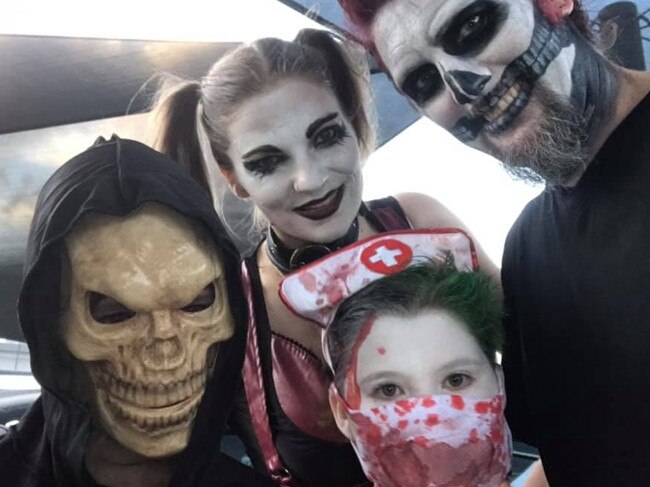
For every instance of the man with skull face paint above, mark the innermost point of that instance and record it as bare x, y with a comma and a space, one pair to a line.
521, 80
131, 309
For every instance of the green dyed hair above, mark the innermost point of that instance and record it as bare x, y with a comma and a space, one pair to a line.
470, 296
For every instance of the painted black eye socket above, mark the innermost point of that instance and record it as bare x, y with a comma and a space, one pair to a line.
422, 84
202, 301
473, 28
266, 165
106, 310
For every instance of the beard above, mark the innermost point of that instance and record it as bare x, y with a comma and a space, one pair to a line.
553, 150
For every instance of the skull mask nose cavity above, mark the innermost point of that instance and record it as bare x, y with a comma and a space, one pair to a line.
466, 85
163, 354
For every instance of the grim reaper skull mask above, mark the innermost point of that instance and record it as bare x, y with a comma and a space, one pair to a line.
146, 308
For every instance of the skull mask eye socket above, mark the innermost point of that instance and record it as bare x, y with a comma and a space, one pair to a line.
202, 301
106, 310
473, 28
422, 84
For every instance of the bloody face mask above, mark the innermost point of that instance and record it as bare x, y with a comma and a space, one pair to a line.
433, 441
146, 309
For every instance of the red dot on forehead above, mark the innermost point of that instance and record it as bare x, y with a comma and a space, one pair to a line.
381, 350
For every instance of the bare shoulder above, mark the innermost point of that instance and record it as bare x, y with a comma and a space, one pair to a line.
424, 211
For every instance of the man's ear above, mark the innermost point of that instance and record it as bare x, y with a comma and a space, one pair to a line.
556, 10
237, 189
340, 414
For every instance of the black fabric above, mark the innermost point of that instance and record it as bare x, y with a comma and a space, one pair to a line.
287, 260
576, 277
313, 462
47, 447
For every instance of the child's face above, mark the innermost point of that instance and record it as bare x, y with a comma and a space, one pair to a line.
426, 354
392, 420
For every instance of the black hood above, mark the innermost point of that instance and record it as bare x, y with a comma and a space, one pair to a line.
113, 177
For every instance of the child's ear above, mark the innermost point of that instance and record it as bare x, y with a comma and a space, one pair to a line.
340, 414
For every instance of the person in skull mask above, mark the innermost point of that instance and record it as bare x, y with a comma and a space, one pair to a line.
131, 309
523, 80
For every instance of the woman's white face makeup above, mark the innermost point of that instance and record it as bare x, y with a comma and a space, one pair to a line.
449, 57
296, 155
427, 354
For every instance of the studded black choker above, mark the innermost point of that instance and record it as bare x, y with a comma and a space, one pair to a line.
288, 260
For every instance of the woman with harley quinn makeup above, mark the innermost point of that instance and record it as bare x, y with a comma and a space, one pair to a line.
411, 334
289, 125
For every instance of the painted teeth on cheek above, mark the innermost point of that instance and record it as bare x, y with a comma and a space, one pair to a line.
503, 104
499, 108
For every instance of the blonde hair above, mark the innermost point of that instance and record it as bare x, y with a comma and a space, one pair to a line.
249, 70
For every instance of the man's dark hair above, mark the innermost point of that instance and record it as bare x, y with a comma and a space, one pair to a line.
362, 13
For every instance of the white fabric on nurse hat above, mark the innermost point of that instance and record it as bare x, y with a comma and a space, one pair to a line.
315, 291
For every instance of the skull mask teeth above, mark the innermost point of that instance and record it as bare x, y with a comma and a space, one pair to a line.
155, 409
147, 308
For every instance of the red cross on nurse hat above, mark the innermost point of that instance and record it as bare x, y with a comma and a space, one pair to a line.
315, 291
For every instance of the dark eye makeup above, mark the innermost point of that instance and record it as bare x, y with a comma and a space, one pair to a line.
106, 310
422, 84
266, 159
265, 164
471, 29
330, 135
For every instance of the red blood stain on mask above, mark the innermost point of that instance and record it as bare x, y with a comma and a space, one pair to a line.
370, 432
432, 420
308, 281
405, 405
428, 402
352, 391
403, 424
381, 351
553, 10
336, 286
457, 402
419, 462
473, 436
482, 407
496, 434
421, 441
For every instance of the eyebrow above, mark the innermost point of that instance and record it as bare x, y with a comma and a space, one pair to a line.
460, 363
391, 374
263, 149
381, 374
318, 123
